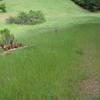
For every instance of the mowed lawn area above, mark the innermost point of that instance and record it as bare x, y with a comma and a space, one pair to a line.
62, 60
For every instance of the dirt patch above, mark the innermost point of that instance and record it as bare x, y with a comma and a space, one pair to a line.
90, 88
12, 50
15, 49
4, 16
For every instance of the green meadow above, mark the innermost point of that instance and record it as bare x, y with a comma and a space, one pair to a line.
62, 60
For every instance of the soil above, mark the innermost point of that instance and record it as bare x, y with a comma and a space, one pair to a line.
91, 88
12, 50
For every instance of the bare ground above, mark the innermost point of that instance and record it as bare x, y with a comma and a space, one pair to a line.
12, 50
90, 88
4, 16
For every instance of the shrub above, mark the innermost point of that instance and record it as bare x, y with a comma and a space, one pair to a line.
3, 7
30, 18
6, 37
7, 40
92, 5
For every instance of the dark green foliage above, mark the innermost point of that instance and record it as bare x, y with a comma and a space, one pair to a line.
79, 52
31, 18
6, 37
3, 7
92, 5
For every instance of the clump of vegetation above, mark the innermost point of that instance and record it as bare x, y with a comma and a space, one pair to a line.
91, 5
30, 18
79, 52
3, 7
7, 40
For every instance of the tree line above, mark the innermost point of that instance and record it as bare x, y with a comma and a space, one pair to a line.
91, 5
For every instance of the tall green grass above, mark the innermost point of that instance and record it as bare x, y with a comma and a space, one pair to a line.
51, 68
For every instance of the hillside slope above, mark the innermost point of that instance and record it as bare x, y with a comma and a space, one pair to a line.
62, 57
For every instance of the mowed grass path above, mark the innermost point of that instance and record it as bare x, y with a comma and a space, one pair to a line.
62, 53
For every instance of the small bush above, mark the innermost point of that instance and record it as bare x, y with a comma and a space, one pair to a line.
91, 5
7, 40
30, 18
6, 37
3, 7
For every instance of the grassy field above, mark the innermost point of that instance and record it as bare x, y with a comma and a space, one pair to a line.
62, 61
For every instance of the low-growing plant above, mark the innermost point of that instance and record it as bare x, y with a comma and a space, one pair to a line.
30, 18
7, 40
3, 7
6, 37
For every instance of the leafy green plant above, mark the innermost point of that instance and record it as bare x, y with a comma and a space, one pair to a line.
6, 38
3, 7
30, 18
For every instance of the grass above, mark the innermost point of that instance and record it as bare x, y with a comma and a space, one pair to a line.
51, 69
